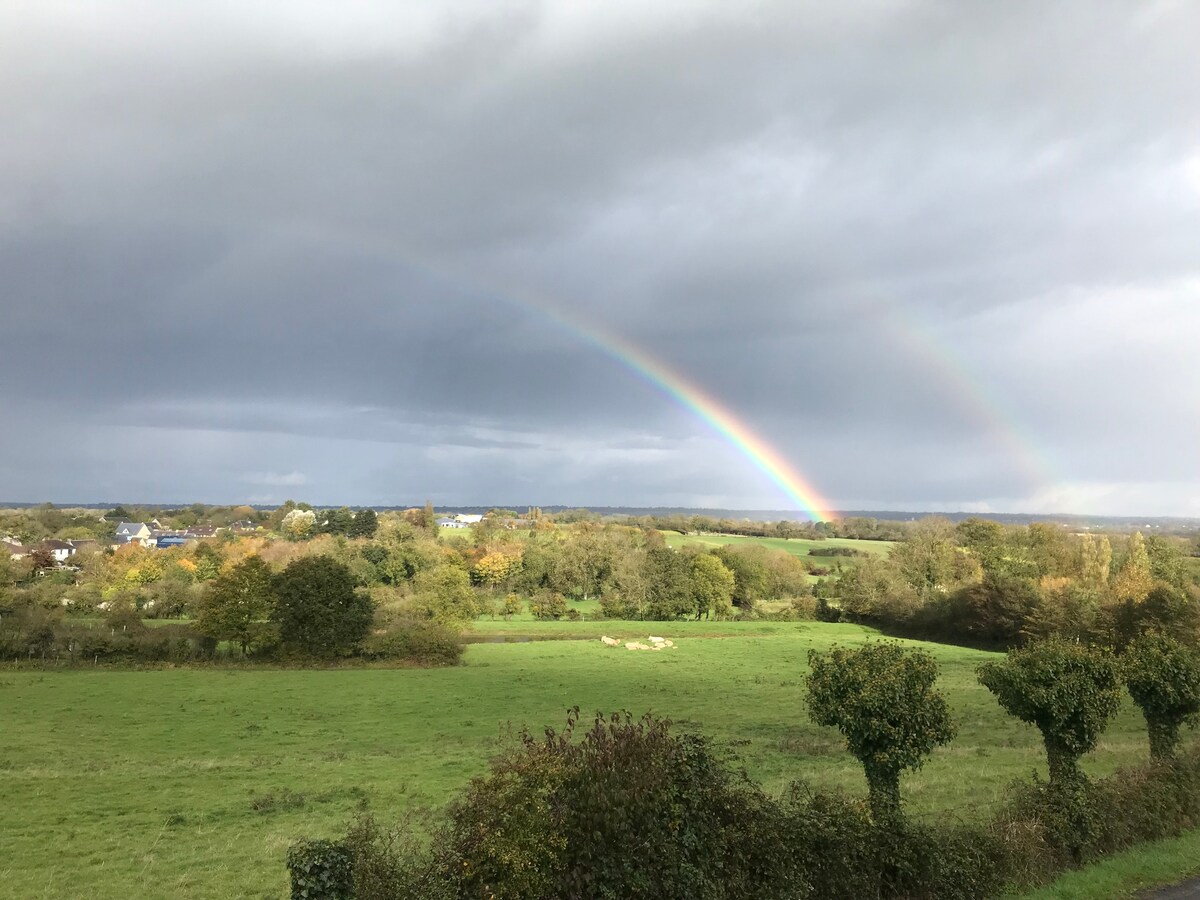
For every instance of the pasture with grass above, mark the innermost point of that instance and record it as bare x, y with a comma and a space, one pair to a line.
193, 782
796, 546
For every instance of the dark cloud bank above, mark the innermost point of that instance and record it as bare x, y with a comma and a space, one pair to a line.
941, 255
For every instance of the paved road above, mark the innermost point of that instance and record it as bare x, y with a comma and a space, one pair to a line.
1187, 890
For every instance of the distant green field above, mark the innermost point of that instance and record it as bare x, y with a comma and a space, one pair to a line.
192, 783
794, 546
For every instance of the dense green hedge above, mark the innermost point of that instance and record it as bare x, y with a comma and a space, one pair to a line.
423, 643
34, 634
632, 810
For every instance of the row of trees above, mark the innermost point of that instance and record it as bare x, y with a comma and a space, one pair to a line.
312, 607
978, 581
983, 582
627, 808
883, 700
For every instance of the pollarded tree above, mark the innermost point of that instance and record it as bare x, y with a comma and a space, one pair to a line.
1068, 691
1163, 677
881, 697
318, 609
237, 603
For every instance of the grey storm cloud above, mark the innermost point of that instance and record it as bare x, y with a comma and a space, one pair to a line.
940, 255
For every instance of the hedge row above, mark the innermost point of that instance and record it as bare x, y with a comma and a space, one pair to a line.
632, 810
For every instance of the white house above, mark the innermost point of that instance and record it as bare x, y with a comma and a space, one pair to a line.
468, 518
451, 523
60, 550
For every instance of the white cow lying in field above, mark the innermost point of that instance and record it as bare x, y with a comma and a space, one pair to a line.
610, 642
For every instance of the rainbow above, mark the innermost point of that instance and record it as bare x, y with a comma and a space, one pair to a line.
696, 400
976, 400
736, 432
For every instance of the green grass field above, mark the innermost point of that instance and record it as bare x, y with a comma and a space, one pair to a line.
1129, 874
794, 546
192, 782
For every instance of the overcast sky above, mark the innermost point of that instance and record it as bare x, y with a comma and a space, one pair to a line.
941, 256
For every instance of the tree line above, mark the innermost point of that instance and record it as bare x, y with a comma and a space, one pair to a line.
992, 585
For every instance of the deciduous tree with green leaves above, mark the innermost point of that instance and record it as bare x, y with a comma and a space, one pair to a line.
1068, 691
318, 609
1163, 677
882, 699
237, 603
444, 594
712, 587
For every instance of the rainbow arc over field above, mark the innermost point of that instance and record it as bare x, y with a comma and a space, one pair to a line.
719, 418
766, 458
974, 397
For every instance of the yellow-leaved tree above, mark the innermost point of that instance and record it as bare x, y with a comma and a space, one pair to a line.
1133, 581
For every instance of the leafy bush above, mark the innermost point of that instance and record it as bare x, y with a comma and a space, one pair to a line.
830, 838
631, 810
320, 870
628, 810
424, 643
546, 604
1046, 827
394, 864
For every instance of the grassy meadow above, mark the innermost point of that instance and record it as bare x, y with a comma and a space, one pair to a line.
192, 782
795, 546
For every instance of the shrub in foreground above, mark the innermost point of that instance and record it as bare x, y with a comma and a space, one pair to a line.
320, 870
1046, 828
625, 809
628, 809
